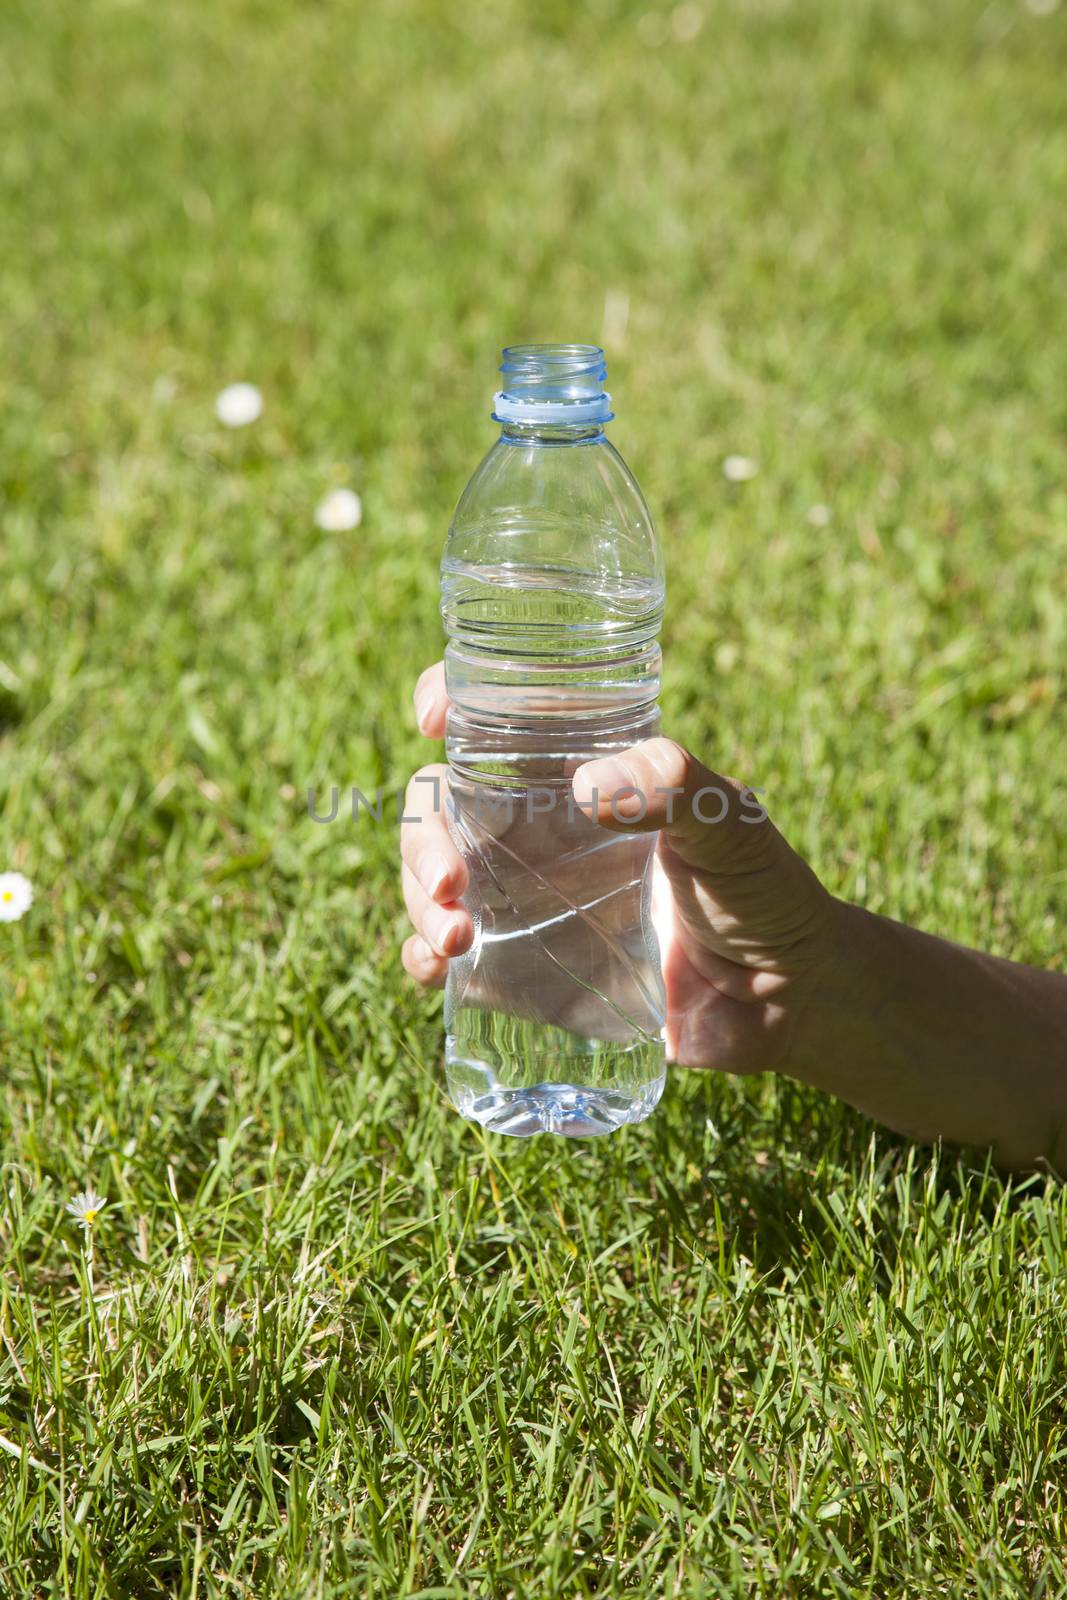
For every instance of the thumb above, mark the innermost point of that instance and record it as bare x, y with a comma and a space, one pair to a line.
742, 897
714, 824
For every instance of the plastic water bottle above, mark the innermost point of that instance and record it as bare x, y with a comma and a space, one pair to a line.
552, 597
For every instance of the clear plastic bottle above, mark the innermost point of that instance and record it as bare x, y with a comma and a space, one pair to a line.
552, 597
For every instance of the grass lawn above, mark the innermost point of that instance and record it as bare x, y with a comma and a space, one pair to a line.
332, 1340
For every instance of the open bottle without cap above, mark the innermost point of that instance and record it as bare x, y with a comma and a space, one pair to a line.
552, 597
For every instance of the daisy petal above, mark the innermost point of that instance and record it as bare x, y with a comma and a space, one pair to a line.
339, 512
238, 405
739, 469
16, 896
86, 1207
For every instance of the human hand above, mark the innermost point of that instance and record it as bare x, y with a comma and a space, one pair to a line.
745, 927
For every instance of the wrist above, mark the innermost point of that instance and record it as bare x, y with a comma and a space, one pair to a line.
832, 996
866, 1032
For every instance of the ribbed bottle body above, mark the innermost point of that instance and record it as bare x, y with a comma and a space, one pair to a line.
552, 598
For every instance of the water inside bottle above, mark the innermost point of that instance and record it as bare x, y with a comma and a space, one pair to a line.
555, 1016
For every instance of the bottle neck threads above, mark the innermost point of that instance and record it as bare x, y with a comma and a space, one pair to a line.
553, 386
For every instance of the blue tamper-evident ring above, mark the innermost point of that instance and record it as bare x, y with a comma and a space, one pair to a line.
595, 408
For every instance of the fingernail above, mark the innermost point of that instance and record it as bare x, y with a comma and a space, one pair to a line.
432, 872
606, 776
442, 929
425, 701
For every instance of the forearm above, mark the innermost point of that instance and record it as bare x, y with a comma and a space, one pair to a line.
936, 1040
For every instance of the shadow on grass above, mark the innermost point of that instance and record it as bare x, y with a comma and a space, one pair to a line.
12, 711
814, 1176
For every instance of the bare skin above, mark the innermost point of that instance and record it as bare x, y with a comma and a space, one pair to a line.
765, 970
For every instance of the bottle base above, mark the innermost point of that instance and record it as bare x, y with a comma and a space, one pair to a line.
577, 1111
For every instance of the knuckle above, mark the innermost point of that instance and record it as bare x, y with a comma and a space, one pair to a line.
408, 888
669, 762
425, 789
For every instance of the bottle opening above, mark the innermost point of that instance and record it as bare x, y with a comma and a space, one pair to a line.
555, 384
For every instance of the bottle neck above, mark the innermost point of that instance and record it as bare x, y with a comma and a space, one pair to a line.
552, 394
549, 433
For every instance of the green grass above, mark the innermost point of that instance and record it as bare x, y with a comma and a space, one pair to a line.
340, 1343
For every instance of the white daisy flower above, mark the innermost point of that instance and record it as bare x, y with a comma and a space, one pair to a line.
16, 896
86, 1207
739, 469
339, 512
238, 405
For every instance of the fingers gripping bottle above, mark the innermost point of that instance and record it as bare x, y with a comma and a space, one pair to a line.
552, 597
